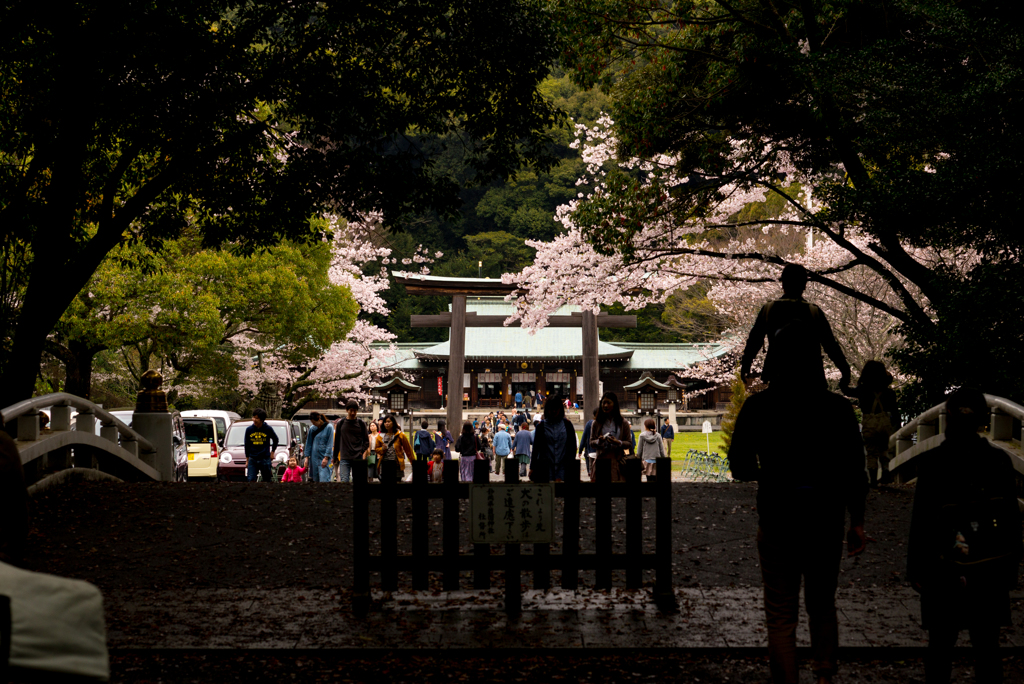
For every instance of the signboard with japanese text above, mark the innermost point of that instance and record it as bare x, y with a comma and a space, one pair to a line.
512, 513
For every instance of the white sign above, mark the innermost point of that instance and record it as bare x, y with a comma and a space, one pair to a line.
707, 427
512, 513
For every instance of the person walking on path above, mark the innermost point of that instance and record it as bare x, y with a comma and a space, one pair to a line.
468, 447
486, 448
649, 447
554, 443
793, 312
610, 436
668, 435
423, 442
319, 447
519, 400
350, 441
965, 541
523, 445
293, 473
502, 448
371, 452
260, 443
443, 440
584, 448
393, 445
803, 496
880, 417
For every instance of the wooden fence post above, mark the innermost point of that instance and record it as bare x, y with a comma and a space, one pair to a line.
481, 552
634, 525
603, 520
513, 590
571, 529
420, 528
388, 523
450, 524
664, 595
541, 552
360, 541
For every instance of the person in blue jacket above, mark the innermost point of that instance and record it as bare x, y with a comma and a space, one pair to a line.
319, 446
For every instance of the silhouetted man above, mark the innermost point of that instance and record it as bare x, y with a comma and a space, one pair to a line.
803, 495
793, 312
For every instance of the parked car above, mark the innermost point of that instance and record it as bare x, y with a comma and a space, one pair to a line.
224, 420
289, 436
178, 440
202, 439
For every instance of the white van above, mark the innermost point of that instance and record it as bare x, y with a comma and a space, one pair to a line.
224, 419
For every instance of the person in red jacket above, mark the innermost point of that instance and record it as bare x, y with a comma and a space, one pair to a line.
293, 473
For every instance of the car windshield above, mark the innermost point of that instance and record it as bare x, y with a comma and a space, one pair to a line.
199, 430
236, 436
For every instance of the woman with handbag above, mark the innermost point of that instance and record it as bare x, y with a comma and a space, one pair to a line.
371, 454
393, 445
610, 436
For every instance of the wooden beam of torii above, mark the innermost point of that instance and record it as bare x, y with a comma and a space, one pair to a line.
460, 288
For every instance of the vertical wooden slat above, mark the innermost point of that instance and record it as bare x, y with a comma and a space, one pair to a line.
571, 527
663, 533
360, 540
603, 523
513, 590
388, 523
420, 526
481, 552
634, 525
450, 524
541, 552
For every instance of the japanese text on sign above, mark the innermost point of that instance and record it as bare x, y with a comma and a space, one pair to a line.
512, 513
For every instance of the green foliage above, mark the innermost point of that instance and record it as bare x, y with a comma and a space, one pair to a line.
273, 113
739, 395
183, 308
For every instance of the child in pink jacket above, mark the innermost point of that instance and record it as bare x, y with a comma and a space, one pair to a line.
293, 473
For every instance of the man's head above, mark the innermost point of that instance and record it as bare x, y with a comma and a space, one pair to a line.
794, 280
424, 424
258, 417
966, 413
351, 409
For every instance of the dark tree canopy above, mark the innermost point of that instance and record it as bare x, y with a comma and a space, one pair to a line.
906, 112
124, 121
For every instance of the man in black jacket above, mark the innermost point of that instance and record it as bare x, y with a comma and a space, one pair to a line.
260, 443
351, 440
802, 499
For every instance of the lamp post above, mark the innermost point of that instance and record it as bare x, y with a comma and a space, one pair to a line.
480, 269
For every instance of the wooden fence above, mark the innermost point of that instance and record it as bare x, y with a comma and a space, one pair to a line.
388, 563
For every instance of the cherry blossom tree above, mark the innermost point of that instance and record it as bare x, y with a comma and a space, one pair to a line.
634, 236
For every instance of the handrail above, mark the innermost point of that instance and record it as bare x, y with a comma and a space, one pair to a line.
83, 406
1005, 405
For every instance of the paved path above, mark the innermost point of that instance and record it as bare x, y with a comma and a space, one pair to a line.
708, 618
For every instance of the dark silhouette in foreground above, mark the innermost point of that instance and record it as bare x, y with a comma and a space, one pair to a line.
794, 316
965, 541
802, 500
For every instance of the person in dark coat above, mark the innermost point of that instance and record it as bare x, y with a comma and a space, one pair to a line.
880, 416
793, 312
957, 591
611, 436
803, 496
554, 445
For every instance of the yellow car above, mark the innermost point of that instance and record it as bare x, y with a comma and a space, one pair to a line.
203, 456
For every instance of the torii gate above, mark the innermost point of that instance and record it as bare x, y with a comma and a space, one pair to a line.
458, 320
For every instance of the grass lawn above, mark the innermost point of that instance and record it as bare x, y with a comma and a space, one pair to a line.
688, 440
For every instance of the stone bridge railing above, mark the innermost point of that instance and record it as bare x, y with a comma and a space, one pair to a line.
927, 431
118, 450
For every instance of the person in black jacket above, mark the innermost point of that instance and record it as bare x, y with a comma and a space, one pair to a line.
260, 442
803, 496
554, 445
964, 583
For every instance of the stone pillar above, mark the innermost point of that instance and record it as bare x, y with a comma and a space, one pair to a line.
672, 415
156, 427
456, 363
376, 410
591, 369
